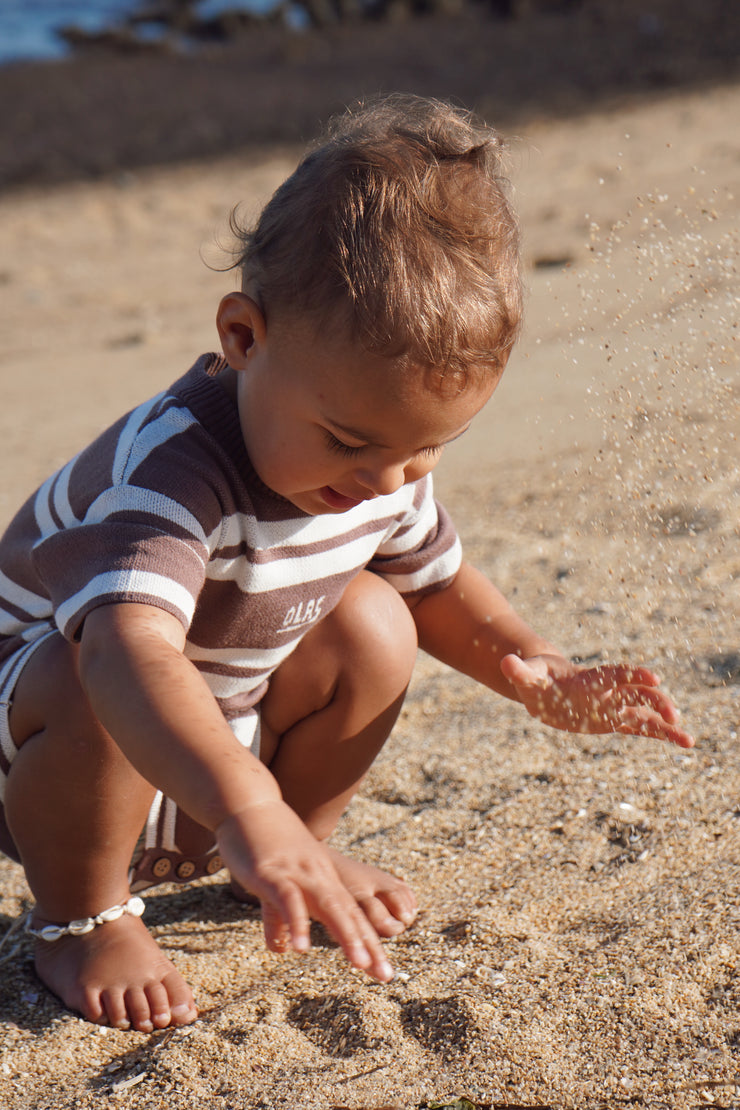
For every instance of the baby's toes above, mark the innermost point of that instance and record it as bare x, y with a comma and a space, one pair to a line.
159, 1005
138, 1010
182, 1008
115, 1008
89, 1003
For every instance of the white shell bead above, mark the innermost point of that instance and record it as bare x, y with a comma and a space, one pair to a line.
111, 915
80, 927
135, 907
51, 932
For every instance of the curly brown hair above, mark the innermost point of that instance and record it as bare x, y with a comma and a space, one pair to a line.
398, 227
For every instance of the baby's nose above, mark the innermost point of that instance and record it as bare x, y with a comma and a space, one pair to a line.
382, 480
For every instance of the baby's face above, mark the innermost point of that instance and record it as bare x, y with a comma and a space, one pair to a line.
328, 424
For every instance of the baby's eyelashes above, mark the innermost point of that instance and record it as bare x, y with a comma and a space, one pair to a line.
341, 448
351, 449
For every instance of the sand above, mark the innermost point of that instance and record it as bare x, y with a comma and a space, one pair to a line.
577, 945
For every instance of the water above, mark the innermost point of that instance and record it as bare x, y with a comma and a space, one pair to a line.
28, 27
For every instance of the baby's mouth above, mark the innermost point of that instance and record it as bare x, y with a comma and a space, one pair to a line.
339, 501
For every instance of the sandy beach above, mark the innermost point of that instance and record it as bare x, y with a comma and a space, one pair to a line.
578, 941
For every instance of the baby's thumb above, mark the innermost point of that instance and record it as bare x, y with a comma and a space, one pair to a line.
525, 674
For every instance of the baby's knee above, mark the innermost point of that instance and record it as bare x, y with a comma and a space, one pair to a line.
376, 627
48, 693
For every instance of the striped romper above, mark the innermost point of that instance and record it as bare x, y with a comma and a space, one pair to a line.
165, 508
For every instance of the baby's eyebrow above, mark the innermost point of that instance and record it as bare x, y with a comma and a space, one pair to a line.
369, 441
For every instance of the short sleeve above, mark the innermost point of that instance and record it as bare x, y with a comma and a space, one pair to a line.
423, 552
131, 519
118, 561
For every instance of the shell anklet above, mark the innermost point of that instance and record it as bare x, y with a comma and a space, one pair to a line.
134, 907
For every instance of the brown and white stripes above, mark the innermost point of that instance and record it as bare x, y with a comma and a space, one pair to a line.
165, 508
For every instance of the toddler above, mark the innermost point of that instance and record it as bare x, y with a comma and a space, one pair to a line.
209, 617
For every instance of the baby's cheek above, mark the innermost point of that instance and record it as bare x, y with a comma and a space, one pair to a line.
418, 469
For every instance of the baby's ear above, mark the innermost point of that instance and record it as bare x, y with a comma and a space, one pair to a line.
241, 325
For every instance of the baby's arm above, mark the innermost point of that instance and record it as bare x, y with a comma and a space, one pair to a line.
472, 627
155, 704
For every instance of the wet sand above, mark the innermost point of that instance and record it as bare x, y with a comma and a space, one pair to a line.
580, 896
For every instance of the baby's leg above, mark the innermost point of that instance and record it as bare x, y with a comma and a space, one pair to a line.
328, 712
74, 806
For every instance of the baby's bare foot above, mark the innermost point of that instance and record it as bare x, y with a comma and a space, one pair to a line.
116, 975
388, 902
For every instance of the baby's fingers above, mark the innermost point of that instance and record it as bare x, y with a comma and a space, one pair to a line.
356, 937
621, 674
647, 696
286, 924
285, 921
637, 720
277, 933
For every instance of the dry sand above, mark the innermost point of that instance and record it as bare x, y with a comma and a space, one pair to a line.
581, 896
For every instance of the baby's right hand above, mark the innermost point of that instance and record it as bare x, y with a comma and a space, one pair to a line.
271, 853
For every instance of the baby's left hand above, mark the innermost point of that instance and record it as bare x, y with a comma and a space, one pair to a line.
612, 698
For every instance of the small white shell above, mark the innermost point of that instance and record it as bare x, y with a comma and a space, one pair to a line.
80, 927
49, 932
110, 915
135, 906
